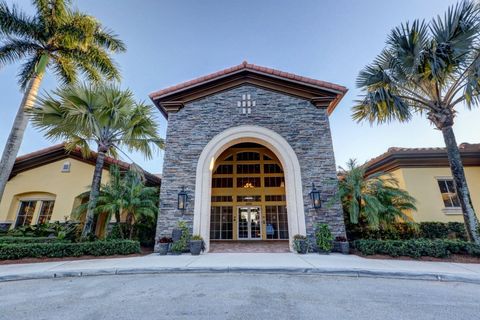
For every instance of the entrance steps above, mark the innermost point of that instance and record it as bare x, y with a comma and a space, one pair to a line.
251, 246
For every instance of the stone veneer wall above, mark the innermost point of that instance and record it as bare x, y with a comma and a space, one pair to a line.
303, 125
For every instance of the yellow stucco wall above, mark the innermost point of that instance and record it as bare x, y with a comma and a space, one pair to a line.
422, 184
48, 182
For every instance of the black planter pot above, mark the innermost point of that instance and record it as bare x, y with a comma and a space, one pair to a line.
196, 247
163, 248
341, 246
176, 234
301, 246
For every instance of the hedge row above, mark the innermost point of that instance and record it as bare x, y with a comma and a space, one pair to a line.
406, 231
59, 250
20, 240
417, 248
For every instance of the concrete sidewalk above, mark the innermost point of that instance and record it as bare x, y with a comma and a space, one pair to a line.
333, 264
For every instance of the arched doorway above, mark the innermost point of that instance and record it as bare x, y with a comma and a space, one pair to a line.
282, 154
248, 199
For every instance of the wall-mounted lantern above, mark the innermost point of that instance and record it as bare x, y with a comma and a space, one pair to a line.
182, 199
315, 196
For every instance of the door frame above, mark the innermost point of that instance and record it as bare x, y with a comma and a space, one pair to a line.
259, 208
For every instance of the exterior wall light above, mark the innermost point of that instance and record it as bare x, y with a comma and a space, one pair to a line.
315, 196
182, 199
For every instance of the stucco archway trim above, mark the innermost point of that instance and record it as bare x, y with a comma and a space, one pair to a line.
278, 145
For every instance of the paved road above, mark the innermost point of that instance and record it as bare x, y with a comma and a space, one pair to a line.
237, 296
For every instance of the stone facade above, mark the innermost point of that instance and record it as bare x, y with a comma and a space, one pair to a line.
303, 125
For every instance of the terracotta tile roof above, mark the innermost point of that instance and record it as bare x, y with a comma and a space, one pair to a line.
252, 67
59, 150
421, 156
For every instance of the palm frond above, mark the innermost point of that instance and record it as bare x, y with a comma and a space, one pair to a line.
16, 24
108, 40
14, 50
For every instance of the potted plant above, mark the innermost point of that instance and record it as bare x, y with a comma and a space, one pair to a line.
300, 243
340, 244
164, 245
324, 238
177, 248
196, 245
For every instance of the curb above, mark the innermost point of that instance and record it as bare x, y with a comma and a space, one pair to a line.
356, 273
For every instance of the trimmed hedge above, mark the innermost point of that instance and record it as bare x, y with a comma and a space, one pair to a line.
20, 240
59, 250
417, 248
404, 231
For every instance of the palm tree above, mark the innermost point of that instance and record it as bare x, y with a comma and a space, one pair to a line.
111, 197
102, 114
139, 201
56, 38
429, 69
376, 197
124, 194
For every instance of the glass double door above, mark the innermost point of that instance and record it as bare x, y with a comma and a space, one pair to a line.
249, 223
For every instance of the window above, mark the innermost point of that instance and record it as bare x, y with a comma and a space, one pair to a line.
248, 168
221, 198
272, 168
249, 198
277, 222
280, 197
248, 156
449, 194
224, 169
274, 182
45, 211
25, 213
248, 182
222, 182
221, 223
66, 166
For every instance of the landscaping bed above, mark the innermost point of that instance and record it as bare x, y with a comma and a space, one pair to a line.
417, 248
144, 251
65, 249
454, 258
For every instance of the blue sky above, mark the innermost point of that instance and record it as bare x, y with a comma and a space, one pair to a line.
174, 41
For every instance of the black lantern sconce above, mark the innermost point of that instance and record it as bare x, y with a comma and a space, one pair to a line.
315, 196
182, 199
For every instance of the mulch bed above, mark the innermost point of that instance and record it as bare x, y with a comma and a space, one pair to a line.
145, 251
456, 258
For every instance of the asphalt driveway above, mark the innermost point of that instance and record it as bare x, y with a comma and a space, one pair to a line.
236, 296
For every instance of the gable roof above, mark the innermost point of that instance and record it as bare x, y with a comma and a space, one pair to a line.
57, 152
397, 157
321, 93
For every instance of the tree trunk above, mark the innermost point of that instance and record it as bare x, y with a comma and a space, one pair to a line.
17, 131
456, 166
119, 224
92, 200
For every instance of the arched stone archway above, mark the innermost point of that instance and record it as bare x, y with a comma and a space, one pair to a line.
270, 139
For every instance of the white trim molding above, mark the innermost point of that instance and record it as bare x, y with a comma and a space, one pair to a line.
268, 138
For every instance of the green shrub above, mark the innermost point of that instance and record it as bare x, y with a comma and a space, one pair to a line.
69, 230
324, 238
439, 230
20, 240
116, 232
58, 250
407, 231
417, 248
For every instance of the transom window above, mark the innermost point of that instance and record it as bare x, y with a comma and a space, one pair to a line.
449, 193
